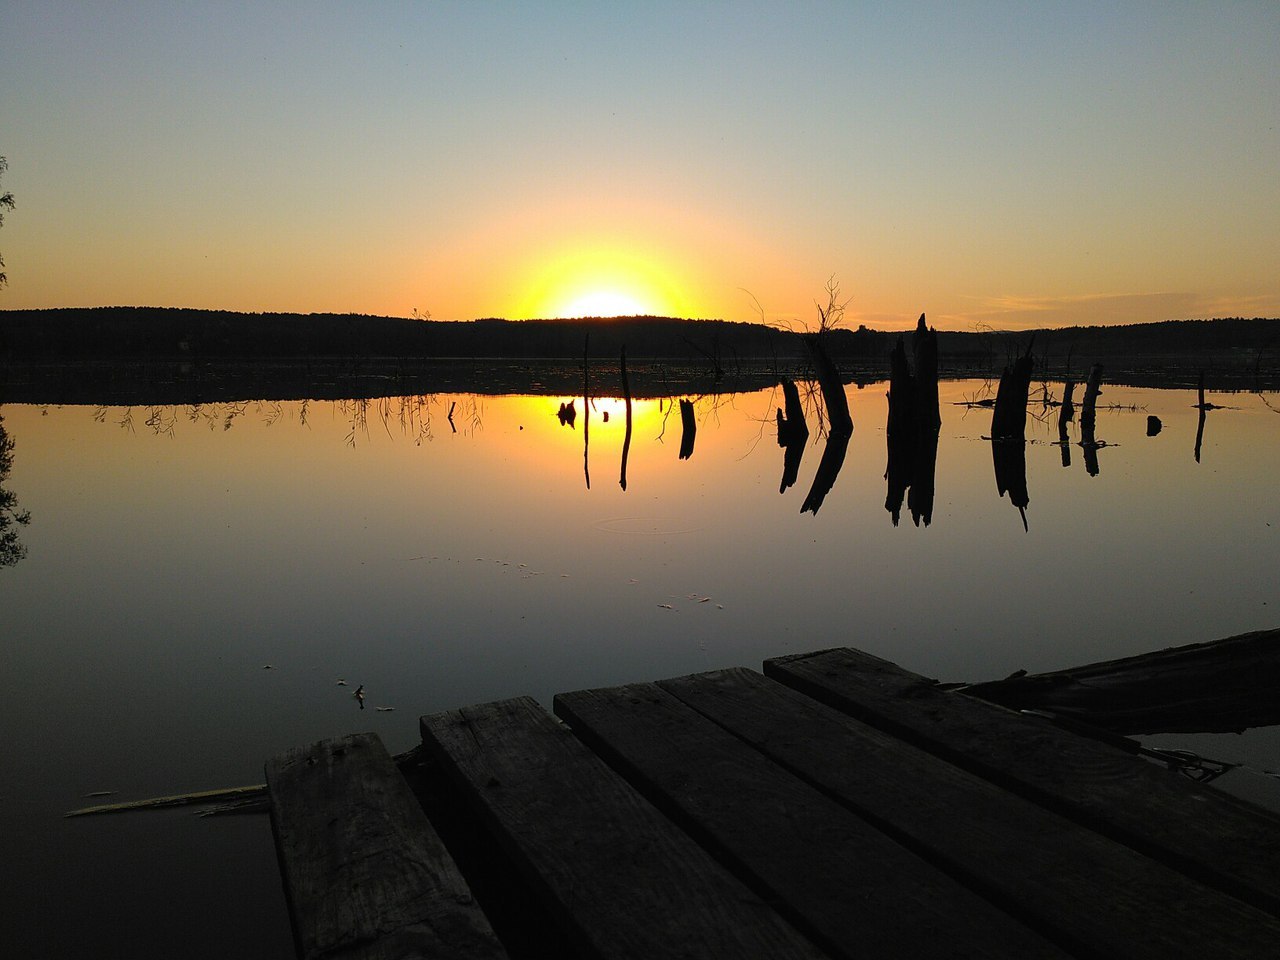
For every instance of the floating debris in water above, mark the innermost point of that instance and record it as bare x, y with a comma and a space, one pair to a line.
100, 793
267, 666
666, 606
359, 695
385, 709
342, 683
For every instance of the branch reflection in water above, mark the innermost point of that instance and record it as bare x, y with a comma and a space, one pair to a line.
912, 431
11, 516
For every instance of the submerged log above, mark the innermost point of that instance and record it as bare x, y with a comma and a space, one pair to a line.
1224, 686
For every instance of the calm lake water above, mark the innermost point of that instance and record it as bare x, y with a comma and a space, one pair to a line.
174, 553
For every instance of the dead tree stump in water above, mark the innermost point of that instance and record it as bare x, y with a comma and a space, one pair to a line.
839, 419
626, 396
912, 428
1009, 419
689, 429
793, 433
1088, 416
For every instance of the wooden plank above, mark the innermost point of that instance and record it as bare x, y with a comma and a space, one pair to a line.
838, 878
1223, 686
1219, 840
1086, 892
620, 877
365, 875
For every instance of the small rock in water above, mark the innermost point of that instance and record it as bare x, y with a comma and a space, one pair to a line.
342, 683
267, 666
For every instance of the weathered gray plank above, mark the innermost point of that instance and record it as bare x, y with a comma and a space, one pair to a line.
1223, 686
1087, 892
1207, 834
855, 891
621, 878
365, 875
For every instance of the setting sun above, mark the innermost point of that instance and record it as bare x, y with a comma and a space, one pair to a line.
602, 283
604, 303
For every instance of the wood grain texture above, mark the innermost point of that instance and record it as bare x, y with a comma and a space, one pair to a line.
365, 874
1223, 686
1227, 843
1088, 893
842, 881
621, 878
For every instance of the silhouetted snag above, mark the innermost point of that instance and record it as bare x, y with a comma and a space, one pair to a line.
793, 433
1088, 413
828, 469
925, 349
1064, 442
1088, 416
688, 429
924, 468
1203, 407
1009, 419
452, 426
1067, 412
568, 414
626, 396
839, 419
791, 425
586, 409
1154, 426
912, 427
1010, 460
898, 472
902, 394
1224, 686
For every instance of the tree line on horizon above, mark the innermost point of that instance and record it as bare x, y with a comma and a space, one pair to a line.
180, 334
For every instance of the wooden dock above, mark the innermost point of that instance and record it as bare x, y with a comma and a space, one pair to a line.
834, 805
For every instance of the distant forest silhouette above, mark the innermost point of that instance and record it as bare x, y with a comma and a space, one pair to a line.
172, 334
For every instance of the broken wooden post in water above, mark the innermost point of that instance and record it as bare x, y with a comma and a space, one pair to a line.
1088, 415
626, 396
1009, 419
912, 428
1009, 432
839, 420
586, 408
688, 429
793, 433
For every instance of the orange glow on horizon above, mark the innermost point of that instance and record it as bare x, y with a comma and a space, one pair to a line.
602, 283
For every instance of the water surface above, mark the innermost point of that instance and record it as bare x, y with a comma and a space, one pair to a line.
197, 581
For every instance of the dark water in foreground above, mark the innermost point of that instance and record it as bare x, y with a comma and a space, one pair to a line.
174, 553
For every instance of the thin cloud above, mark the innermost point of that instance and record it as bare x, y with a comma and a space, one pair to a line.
1022, 312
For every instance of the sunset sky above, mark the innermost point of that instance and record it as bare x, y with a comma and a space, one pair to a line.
994, 164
